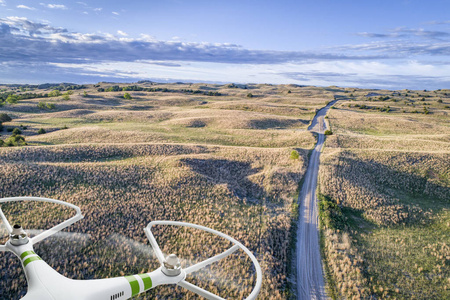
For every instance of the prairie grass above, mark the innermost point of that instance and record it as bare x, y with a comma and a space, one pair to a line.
395, 209
244, 192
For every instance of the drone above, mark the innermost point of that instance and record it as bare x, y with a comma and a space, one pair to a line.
45, 283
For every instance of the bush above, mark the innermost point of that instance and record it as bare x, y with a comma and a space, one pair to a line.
294, 154
1, 126
328, 132
16, 131
45, 105
41, 105
4, 118
15, 140
12, 99
330, 214
66, 97
127, 96
41, 131
54, 93
9, 129
250, 95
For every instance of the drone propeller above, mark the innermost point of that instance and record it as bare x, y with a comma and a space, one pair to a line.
47, 233
196, 289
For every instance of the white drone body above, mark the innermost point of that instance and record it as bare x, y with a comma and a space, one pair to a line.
44, 283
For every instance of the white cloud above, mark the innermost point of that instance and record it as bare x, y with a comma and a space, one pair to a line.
98, 9
54, 6
115, 13
104, 54
25, 7
2, 3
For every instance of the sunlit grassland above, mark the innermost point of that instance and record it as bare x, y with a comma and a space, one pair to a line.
388, 173
245, 192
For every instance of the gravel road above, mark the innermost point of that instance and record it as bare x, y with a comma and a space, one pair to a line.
310, 281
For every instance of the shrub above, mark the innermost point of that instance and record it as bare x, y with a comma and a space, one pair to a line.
14, 140
12, 99
1, 126
16, 131
294, 154
9, 129
127, 96
250, 95
330, 214
328, 132
85, 94
45, 105
41, 105
41, 131
66, 97
4, 118
54, 93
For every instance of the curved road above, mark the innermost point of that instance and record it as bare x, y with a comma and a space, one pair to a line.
310, 282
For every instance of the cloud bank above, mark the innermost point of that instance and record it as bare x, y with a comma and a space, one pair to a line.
390, 59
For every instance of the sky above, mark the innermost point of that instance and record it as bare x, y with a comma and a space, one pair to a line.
395, 44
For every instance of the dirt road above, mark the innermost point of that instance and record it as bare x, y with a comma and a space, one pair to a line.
310, 282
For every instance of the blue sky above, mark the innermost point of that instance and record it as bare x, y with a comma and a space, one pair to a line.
376, 44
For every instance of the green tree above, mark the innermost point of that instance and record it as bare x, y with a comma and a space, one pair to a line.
15, 140
54, 93
5, 118
294, 154
66, 97
328, 132
51, 106
12, 99
41, 131
127, 96
16, 131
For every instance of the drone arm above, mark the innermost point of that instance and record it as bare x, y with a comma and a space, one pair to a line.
211, 260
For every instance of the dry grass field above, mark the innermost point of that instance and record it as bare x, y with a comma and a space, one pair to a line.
385, 181
219, 156
205, 154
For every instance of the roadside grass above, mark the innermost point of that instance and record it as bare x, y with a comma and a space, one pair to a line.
388, 172
396, 223
409, 261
